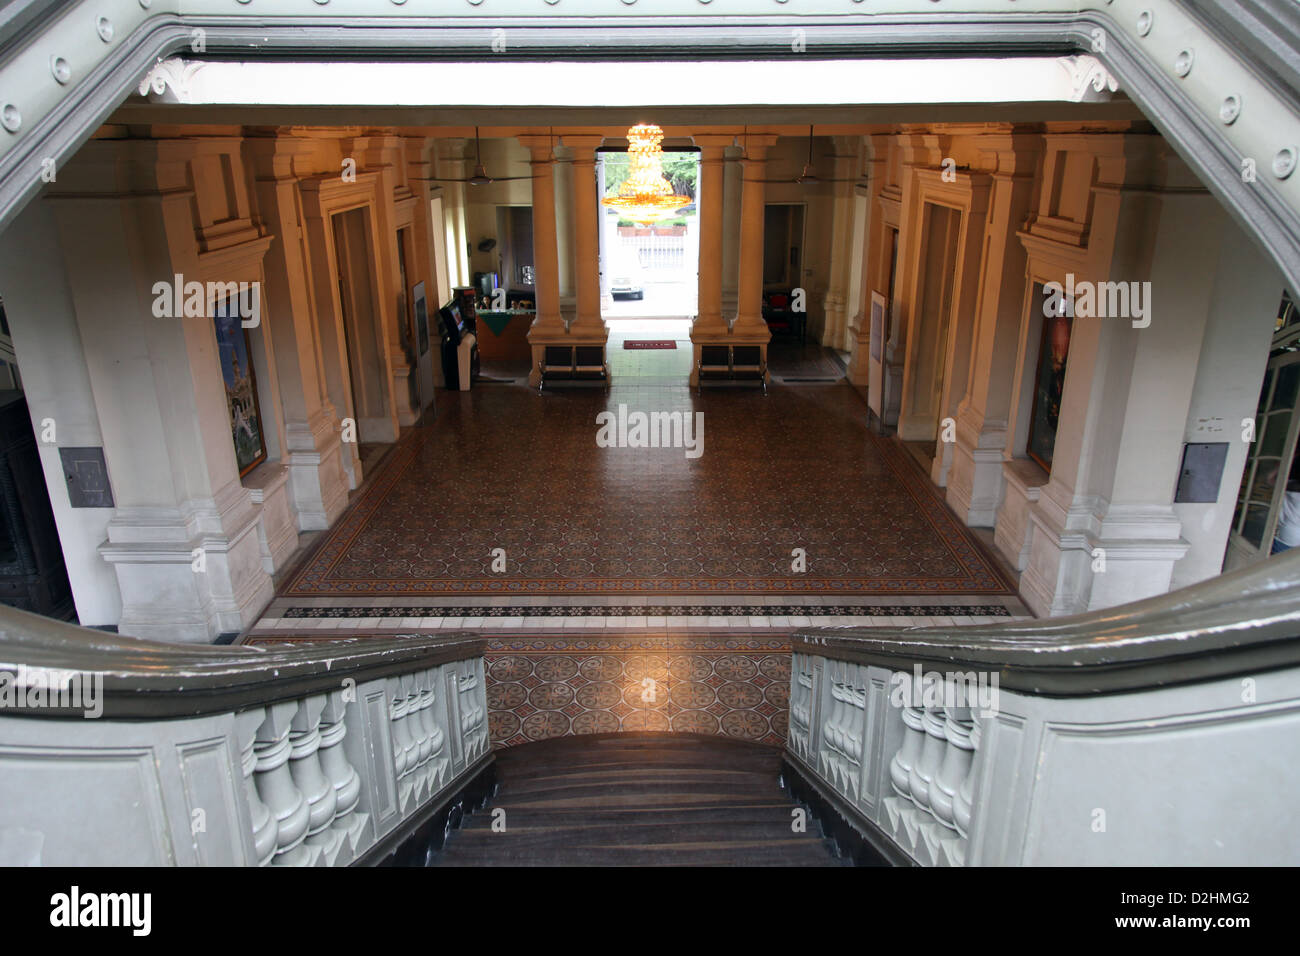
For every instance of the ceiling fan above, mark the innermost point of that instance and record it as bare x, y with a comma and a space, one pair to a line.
480, 176
807, 174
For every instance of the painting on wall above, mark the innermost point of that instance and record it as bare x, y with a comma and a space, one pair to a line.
878, 306
1049, 379
421, 317
241, 386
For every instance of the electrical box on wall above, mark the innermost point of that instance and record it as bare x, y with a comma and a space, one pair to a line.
86, 473
1202, 472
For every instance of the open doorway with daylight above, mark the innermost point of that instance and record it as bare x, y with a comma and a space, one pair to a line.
650, 270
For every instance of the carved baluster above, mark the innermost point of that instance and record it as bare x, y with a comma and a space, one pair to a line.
830, 726
246, 725
423, 714
334, 761
471, 713
921, 778
276, 787
480, 702
900, 768
402, 744
422, 748
429, 714
964, 801
437, 739
305, 768
476, 694
955, 766
858, 700
411, 720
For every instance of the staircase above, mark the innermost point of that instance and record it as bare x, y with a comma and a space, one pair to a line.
639, 800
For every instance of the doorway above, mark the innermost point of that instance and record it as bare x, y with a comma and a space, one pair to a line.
363, 337
783, 239
922, 427
515, 227
649, 271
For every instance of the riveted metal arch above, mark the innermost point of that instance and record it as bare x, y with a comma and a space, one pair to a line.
1269, 210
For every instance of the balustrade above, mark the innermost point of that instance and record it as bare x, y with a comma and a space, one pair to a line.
254, 756
1110, 738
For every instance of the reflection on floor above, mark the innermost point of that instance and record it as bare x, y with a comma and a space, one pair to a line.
618, 564
638, 800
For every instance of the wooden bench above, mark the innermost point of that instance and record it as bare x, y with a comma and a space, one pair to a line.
572, 363
731, 363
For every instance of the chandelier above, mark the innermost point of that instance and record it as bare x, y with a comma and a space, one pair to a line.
645, 195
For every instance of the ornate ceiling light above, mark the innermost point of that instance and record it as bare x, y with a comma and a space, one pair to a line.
645, 195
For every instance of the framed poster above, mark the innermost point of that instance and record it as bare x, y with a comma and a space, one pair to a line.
1049, 377
878, 306
421, 317
241, 386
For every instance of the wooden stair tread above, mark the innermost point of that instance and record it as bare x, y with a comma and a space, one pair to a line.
638, 800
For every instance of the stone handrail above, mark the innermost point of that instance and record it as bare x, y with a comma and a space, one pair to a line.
115, 751
1164, 732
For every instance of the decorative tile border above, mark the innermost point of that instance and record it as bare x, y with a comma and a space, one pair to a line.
645, 610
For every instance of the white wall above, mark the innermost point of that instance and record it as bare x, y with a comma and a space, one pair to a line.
50, 357
1246, 292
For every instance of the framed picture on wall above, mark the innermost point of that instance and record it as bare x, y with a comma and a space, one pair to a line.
241, 386
421, 316
1049, 377
878, 307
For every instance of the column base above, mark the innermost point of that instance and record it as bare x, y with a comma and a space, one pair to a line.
164, 597
406, 414
277, 532
720, 335
1023, 481
859, 371
578, 334
974, 478
712, 331
891, 396
1078, 564
318, 481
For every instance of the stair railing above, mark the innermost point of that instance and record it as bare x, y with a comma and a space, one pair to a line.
1164, 732
115, 751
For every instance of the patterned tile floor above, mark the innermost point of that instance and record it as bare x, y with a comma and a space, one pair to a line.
643, 590
645, 537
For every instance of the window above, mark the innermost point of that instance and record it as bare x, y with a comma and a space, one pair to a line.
1049, 376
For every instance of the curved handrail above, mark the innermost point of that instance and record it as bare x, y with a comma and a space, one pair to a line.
151, 679
1241, 622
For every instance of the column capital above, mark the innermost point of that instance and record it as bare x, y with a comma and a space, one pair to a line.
541, 145
713, 146
755, 147
584, 145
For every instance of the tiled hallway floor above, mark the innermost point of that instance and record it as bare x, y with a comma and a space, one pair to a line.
628, 565
794, 514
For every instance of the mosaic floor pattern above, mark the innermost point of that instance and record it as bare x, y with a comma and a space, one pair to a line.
737, 686
795, 473
642, 590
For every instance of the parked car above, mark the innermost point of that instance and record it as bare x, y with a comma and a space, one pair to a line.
626, 286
